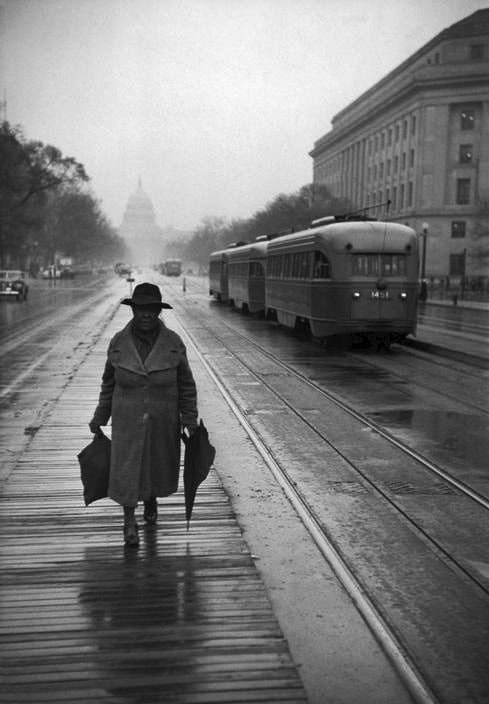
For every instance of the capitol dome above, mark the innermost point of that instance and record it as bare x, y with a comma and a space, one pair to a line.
140, 230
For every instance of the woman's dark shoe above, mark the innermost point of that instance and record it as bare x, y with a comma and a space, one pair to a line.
131, 537
150, 511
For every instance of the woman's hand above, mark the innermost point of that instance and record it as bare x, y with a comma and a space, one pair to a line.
95, 428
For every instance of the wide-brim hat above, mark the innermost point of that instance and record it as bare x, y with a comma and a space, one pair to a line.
146, 295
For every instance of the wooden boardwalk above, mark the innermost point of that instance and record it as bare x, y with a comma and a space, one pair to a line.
185, 618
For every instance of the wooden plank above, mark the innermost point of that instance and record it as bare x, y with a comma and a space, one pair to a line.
183, 619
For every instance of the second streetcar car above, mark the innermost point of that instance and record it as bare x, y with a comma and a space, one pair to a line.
218, 275
246, 276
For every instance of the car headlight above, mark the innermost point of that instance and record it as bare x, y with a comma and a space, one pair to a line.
355, 294
403, 295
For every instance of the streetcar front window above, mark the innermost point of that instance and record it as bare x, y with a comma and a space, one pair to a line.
379, 265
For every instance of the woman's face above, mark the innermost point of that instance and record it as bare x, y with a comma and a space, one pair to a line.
146, 317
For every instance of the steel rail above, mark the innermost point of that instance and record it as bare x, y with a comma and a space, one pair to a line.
374, 486
398, 657
453, 481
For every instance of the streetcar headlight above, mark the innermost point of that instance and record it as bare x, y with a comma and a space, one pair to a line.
355, 294
403, 295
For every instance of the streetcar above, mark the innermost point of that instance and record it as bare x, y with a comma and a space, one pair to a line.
218, 275
171, 267
347, 278
246, 276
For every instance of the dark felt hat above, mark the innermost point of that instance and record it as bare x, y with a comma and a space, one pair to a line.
146, 295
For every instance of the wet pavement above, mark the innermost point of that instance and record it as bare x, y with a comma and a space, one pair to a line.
463, 328
55, 543
186, 618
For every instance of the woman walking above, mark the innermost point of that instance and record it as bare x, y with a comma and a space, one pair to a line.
149, 390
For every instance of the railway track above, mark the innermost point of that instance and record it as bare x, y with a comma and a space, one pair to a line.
263, 385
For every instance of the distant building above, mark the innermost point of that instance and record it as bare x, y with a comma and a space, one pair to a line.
419, 140
140, 230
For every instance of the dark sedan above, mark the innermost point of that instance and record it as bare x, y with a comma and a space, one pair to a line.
13, 285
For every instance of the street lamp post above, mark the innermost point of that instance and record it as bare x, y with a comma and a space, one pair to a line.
424, 235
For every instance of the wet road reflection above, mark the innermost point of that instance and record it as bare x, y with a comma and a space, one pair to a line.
451, 436
138, 606
45, 302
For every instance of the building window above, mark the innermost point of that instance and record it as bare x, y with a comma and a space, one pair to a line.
376, 144
381, 174
382, 140
389, 137
394, 198
410, 194
437, 58
397, 133
413, 124
403, 162
458, 229
467, 119
411, 157
404, 129
369, 147
401, 197
396, 164
477, 52
389, 164
463, 191
375, 172
465, 154
457, 264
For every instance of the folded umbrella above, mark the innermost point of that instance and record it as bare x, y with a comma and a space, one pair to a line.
199, 456
94, 462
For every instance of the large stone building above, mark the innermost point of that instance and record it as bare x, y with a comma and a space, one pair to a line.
416, 147
140, 231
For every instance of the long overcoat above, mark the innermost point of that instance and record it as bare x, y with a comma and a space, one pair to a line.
148, 402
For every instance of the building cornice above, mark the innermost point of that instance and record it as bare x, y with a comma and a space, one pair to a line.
421, 85
476, 24
410, 77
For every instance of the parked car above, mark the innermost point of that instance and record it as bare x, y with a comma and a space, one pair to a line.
66, 273
13, 285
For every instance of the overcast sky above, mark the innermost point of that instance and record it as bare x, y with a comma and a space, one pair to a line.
215, 104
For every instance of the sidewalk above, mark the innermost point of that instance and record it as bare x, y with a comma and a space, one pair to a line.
185, 618
461, 303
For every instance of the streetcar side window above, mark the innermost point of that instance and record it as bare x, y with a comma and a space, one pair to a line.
295, 265
321, 266
256, 270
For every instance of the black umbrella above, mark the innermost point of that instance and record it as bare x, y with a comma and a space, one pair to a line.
94, 462
199, 456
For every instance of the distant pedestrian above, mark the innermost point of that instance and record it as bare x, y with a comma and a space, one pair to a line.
149, 390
